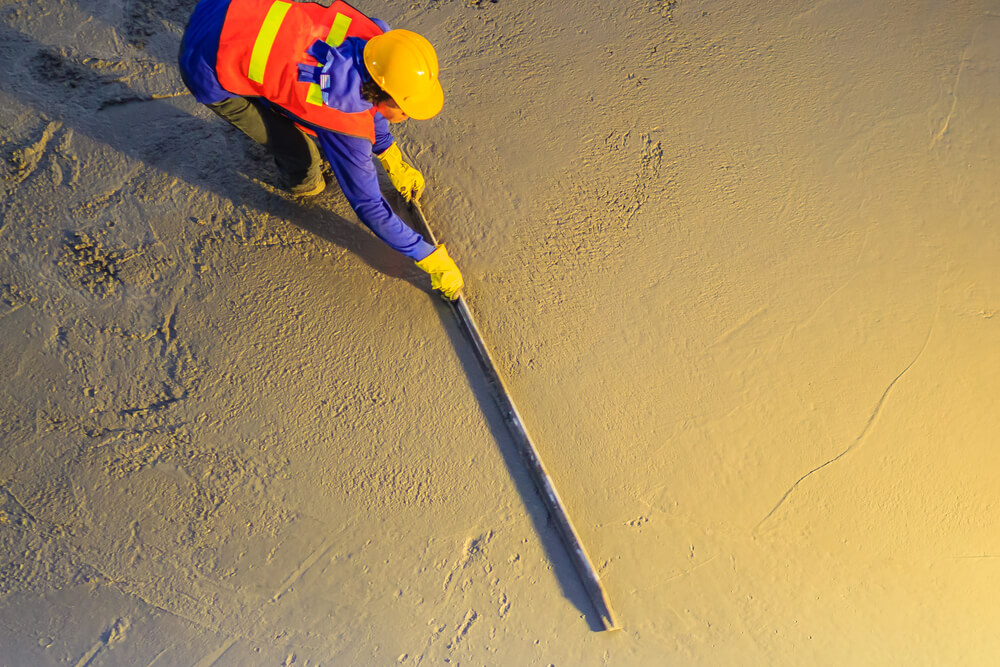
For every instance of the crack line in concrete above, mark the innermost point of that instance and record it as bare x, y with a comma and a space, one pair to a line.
857, 441
303, 566
954, 91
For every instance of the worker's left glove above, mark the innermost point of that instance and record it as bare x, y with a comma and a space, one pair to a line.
445, 276
408, 181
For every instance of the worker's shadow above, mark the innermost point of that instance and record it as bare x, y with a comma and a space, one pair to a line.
79, 93
86, 96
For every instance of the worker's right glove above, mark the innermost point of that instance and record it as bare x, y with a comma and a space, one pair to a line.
445, 276
407, 180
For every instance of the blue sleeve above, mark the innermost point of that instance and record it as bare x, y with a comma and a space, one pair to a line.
199, 50
350, 159
383, 137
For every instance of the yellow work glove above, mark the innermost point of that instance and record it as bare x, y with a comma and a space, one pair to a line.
445, 276
408, 181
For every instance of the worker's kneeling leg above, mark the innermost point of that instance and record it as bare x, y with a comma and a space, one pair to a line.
294, 152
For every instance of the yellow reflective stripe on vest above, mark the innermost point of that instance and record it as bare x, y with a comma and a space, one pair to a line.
265, 39
315, 95
338, 33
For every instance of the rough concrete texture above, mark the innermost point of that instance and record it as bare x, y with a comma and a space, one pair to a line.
738, 262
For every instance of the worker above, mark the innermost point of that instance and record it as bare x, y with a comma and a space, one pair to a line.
291, 74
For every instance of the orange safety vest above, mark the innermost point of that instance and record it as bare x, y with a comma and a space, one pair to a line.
263, 42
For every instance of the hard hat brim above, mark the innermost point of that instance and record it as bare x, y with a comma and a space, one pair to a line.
425, 106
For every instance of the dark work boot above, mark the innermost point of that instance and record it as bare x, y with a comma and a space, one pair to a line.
300, 163
295, 153
309, 188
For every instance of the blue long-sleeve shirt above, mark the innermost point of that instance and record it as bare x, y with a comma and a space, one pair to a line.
350, 157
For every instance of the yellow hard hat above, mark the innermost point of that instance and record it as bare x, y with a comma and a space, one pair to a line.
404, 65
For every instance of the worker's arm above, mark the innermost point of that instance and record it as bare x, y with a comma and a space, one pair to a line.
351, 161
407, 180
383, 136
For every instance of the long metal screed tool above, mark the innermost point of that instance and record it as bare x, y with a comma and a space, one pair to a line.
570, 539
